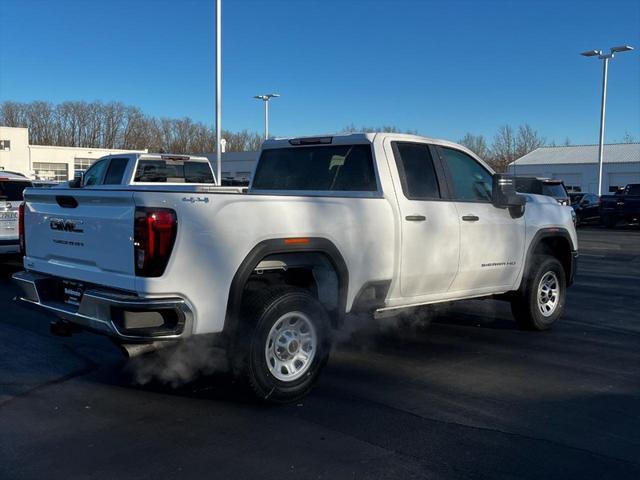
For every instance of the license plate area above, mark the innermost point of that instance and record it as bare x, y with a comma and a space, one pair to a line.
72, 292
8, 216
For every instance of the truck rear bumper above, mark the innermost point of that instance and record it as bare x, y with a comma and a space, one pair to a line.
116, 314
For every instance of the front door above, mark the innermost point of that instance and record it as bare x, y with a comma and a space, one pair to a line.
491, 239
429, 225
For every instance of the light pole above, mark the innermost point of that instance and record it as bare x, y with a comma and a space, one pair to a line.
219, 91
265, 98
603, 104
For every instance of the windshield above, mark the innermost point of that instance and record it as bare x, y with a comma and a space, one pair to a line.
325, 168
575, 198
554, 190
12, 191
173, 171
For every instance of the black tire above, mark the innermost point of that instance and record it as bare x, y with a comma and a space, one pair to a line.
524, 304
261, 311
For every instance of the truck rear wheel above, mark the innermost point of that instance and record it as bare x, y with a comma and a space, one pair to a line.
283, 343
541, 298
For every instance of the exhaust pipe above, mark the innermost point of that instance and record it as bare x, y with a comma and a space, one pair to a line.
132, 350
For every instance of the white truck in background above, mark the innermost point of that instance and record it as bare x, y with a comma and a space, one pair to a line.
11, 187
330, 226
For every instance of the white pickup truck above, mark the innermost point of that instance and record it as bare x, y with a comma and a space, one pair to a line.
11, 187
329, 227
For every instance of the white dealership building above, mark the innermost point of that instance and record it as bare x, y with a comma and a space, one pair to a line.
577, 166
53, 163
45, 162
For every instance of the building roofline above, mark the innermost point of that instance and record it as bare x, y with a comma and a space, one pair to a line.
586, 145
97, 149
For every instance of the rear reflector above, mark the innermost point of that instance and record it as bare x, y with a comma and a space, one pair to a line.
155, 232
23, 244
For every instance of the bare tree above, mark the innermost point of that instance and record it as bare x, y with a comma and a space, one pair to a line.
628, 138
504, 148
478, 145
527, 140
351, 128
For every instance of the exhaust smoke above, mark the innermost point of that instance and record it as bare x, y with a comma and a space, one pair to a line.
175, 364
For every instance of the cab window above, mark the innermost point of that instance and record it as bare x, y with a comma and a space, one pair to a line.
417, 173
115, 172
94, 175
11, 191
471, 181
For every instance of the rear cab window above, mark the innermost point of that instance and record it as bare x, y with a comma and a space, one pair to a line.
176, 170
327, 168
633, 190
11, 190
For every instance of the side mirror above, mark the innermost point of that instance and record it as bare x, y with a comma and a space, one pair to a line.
77, 181
504, 193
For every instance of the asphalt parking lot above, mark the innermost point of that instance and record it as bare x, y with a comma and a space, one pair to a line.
468, 396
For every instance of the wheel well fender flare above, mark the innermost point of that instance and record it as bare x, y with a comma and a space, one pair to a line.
278, 246
544, 236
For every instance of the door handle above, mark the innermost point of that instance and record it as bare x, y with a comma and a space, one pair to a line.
415, 218
470, 218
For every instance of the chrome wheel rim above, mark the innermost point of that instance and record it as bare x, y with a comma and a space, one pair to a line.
548, 294
291, 346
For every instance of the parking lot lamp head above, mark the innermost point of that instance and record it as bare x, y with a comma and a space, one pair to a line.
265, 98
592, 53
622, 48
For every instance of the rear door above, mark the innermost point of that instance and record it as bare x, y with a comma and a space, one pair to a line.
429, 225
491, 240
81, 234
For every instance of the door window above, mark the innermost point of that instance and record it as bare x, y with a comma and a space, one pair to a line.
115, 171
93, 176
471, 181
417, 173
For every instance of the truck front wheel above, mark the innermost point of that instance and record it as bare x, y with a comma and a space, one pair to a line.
541, 298
283, 343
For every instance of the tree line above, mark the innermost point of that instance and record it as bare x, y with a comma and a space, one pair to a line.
118, 126
508, 143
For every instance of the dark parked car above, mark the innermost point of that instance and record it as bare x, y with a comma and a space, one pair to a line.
623, 206
586, 206
543, 186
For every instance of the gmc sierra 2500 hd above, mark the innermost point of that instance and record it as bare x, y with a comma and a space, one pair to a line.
330, 226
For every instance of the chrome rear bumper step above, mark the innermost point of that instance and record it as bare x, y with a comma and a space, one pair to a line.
120, 315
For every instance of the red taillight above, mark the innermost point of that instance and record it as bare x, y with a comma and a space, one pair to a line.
154, 235
23, 245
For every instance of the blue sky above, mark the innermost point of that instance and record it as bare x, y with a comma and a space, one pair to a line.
442, 68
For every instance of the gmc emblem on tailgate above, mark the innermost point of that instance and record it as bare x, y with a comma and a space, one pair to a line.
63, 225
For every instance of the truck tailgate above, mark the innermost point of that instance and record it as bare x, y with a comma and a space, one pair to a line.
84, 235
